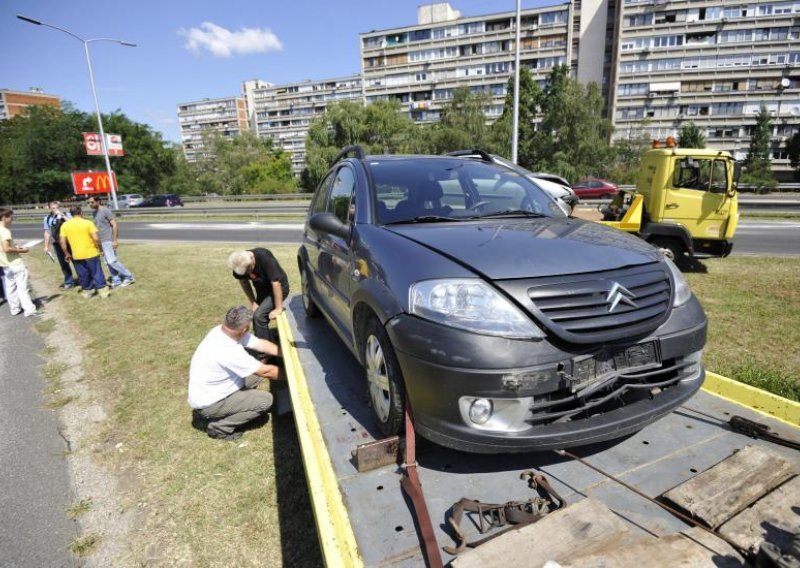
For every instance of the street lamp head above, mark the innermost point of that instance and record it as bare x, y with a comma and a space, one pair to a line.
29, 20
127, 44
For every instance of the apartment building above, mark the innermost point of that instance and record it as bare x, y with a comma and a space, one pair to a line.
659, 64
13, 103
284, 113
227, 116
421, 65
713, 62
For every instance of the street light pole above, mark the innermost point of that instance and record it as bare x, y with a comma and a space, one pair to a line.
86, 43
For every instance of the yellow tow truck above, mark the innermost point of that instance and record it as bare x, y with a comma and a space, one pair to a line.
685, 201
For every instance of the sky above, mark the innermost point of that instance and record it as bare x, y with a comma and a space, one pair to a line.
188, 50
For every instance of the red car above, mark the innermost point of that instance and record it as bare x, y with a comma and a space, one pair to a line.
594, 188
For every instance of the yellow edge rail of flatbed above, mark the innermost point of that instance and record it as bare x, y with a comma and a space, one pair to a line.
336, 537
761, 401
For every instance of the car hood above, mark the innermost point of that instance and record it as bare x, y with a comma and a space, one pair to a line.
529, 248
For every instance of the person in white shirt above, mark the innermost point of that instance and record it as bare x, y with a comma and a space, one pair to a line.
15, 273
223, 376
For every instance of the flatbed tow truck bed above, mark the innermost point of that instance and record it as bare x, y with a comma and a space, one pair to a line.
364, 519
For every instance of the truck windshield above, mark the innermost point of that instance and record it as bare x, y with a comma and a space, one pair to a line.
456, 188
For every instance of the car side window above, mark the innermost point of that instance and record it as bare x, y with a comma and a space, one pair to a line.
701, 175
341, 195
320, 203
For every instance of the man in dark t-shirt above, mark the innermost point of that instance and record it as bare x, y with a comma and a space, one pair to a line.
264, 283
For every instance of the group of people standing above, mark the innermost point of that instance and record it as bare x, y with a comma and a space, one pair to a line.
231, 362
83, 242
77, 242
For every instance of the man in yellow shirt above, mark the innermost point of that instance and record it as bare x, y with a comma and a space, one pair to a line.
80, 242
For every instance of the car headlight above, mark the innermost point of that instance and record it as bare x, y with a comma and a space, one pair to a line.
682, 290
472, 305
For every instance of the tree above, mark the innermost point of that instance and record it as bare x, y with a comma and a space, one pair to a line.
573, 136
463, 123
628, 154
529, 97
759, 171
379, 128
793, 149
41, 147
690, 136
243, 165
38, 150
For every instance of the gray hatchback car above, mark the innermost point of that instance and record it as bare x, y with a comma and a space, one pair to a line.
464, 291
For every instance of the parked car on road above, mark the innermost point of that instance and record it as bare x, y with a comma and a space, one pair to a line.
462, 288
553, 184
129, 200
163, 200
594, 188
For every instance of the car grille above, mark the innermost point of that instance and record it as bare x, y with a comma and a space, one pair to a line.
580, 308
618, 390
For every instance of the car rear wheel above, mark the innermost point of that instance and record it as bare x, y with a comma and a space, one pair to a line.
384, 379
309, 306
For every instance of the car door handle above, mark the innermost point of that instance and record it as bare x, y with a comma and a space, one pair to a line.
671, 206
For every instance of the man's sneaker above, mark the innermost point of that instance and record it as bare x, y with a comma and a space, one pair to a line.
114, 284
86, 294
199, 421
128, 281
217, 435
33, 314
104, 292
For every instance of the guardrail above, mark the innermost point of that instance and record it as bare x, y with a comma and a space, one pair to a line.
787, 202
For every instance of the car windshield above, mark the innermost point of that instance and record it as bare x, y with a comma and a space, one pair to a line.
437, 189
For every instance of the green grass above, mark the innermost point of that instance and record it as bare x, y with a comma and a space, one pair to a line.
213, 503
753, 309
85, 545
77, 509
775, 215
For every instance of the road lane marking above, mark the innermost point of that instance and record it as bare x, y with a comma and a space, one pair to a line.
223, 226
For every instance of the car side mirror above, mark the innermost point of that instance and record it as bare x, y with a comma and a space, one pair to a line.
330, 223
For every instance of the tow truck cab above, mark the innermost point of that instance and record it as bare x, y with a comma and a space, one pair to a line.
685, 201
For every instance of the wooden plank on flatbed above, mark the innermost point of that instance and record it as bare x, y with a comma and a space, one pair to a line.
720, 492
671, 550
587, 525
773, 518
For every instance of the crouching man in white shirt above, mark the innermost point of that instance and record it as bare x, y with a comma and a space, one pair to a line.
223, 376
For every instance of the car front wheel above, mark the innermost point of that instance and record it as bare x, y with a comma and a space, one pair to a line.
384, 379
309, 306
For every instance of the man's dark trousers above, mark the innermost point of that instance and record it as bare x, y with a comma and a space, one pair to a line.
66, 270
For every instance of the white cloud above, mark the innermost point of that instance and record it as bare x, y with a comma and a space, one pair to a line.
224, 43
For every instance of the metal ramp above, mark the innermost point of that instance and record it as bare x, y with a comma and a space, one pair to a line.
363, 518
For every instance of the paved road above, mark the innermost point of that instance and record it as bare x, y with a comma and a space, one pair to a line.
34, 481
759, 237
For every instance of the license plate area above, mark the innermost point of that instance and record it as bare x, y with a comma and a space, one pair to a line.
592, 369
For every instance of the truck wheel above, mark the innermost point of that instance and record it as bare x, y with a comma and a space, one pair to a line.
384, 379
674, 250
309, 306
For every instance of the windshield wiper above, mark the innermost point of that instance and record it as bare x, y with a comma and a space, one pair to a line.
509, 213
423, 219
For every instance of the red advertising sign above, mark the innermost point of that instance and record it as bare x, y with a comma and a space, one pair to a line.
89, 183
91, 140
